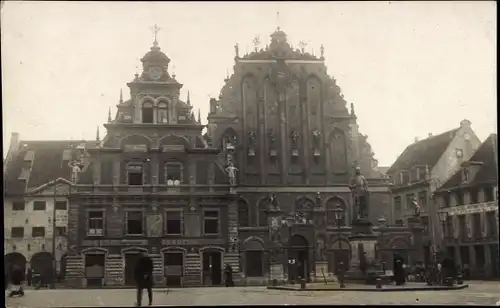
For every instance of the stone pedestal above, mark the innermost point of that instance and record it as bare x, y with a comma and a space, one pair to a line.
276, 272
362, 241
321, 271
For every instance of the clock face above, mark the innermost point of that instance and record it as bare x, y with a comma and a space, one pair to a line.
155, 72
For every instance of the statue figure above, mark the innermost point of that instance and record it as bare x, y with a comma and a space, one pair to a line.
359, 189
75, 170
275, 228
273, 201
320, 248
416, 207
322, 49
316, 138
295, 137
251, 138
237, 50
231, 173
318, 199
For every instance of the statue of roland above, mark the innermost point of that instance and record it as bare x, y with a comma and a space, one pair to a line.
359, 189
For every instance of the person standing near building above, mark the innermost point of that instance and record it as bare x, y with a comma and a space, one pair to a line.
229, 276
143, 273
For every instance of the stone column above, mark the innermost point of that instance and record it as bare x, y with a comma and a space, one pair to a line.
458, 255
472, 258
487, 261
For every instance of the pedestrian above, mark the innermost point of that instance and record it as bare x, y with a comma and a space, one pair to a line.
16, 280
29, 276
228, 273
143, 273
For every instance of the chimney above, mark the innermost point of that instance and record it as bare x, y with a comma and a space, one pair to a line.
416, 139
465, 123
430, 135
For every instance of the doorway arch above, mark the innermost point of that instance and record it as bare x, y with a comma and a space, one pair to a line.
298, 258
15, 258
41, 263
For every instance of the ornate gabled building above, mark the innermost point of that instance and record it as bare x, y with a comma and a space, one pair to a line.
470, 197
284, 123
421, 169
150, 188
37, 181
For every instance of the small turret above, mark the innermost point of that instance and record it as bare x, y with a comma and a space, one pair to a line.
199, 116
188, 100
97, 138
121, 96
353, 114
109, 115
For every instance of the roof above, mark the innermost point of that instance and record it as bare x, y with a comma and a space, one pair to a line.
487, 171
424, 152
383, 170
46, 166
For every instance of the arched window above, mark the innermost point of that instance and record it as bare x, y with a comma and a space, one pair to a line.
243, 220
162, 113
147, 112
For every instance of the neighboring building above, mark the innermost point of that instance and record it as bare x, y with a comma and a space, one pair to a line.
470, 198
422, 168
30, 197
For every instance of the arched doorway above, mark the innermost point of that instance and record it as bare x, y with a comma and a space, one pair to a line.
14, 258
41, 263
130, 258
298, 258
254, 258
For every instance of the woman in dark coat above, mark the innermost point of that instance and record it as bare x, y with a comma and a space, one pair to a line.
399, 272
228, 273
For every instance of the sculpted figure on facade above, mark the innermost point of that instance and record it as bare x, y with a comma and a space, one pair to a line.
316, 138
272, 139
273, 202
295, 138
231, 173
416, 207
251, 139
359, 189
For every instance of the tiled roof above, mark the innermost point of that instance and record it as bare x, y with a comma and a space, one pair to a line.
424, 152
487, 172
47, 164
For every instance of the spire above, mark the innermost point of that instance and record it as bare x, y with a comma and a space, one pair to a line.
97, 138
188, 99
121, 96
352, 110
227, 75
199, 116
155, 30
109, 115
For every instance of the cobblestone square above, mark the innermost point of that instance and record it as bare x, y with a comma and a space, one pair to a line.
479, 293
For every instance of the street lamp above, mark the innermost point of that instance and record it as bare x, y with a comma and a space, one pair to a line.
339, 215
443, 216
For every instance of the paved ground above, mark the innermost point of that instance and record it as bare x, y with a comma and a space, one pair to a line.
478, 293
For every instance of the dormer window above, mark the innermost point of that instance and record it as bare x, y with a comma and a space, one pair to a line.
147, 112
162, 113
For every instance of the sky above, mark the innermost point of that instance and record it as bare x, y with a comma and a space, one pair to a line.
410, 68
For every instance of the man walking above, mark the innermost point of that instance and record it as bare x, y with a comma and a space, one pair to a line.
143, 273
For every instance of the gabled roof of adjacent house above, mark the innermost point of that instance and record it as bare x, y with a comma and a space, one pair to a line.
47, 164
486, 154
424, 152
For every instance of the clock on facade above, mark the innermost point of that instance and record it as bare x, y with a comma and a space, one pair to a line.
155, 72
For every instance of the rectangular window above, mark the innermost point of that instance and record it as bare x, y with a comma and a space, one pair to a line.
173, 173
39, 205
60, 231
409, 198
135, 175
462, 223
422, 199
210, 222
95, 223
17, 232
474, 196
134, 222
476, 225
18, 205
397, 204
61, 205
406, 178
173, 220
38, 232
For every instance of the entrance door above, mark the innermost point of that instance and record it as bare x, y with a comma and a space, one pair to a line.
130, 262
298, 256
212, 268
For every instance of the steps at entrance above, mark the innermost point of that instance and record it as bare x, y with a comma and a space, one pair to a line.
192, 270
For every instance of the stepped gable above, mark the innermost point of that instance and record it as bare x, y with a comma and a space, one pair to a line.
46, 166
424, 152
487, 172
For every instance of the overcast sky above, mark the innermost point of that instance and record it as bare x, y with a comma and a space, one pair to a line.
409, 67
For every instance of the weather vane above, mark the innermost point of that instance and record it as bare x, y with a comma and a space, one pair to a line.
155, 30
302, 45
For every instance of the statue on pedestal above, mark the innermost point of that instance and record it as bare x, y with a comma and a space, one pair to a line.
416, 207
359, 189
273, 203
